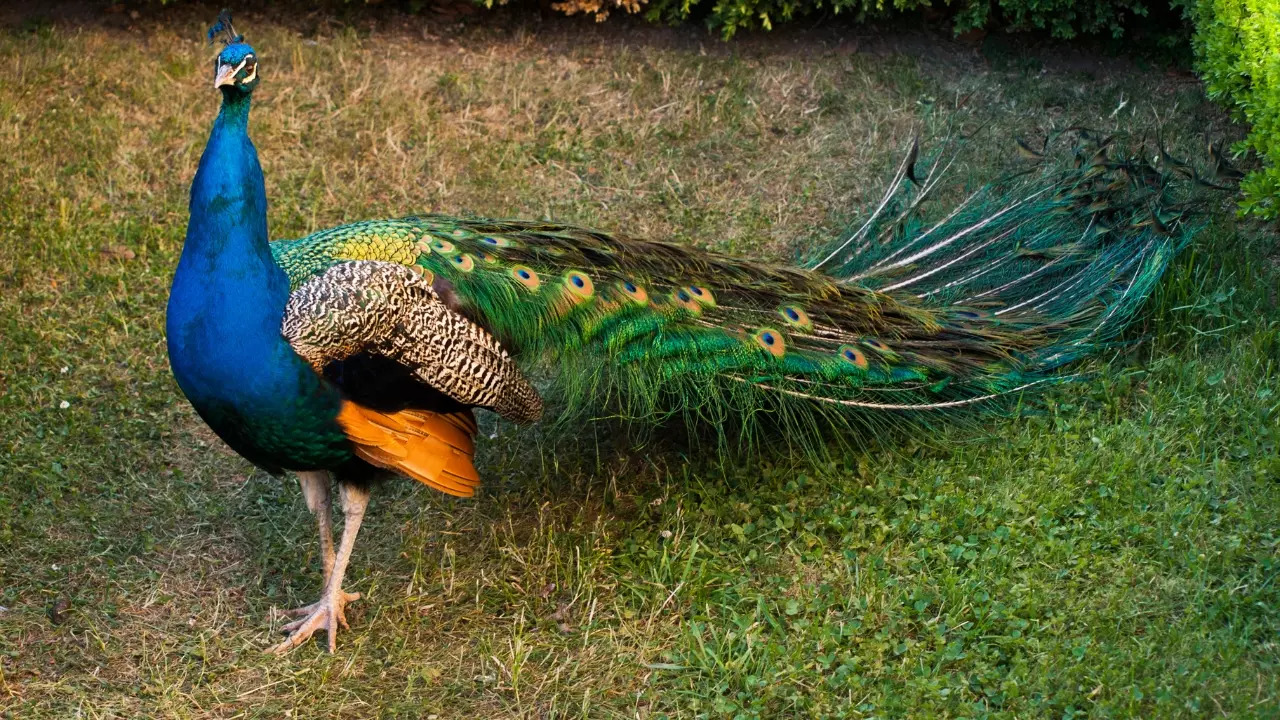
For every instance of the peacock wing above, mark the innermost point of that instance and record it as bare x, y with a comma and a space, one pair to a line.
386, 309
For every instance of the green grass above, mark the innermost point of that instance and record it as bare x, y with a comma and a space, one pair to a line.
1108, 550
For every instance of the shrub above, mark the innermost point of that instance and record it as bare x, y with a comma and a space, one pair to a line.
1061, 18
1238, 49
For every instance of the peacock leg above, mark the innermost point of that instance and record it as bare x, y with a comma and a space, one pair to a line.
315, 488
328, 612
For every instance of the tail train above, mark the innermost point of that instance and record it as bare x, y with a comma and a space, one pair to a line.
900, 315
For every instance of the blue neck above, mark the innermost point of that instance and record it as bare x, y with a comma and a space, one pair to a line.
225, 309
228, 227
228, 295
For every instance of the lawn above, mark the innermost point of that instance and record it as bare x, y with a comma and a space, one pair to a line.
1109, 549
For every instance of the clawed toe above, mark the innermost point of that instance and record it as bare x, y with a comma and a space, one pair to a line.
328, 614
306, 610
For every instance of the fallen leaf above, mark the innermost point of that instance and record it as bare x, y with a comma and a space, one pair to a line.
116, 252
58, 613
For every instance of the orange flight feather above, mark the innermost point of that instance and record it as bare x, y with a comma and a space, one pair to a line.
436, 450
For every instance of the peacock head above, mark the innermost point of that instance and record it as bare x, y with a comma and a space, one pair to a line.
236, 68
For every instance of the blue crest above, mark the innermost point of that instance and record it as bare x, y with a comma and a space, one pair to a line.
223, 25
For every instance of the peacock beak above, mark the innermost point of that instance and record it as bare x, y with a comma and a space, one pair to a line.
227, 74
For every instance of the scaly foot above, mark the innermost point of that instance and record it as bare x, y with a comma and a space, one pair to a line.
328, 613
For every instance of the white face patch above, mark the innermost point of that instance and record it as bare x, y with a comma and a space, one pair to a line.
253, 71
227, 74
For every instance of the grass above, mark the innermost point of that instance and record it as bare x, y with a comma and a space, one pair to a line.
1110, 550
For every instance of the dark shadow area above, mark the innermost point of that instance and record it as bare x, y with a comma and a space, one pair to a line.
1160, 42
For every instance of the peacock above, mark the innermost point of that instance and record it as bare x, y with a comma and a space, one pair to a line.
361, 352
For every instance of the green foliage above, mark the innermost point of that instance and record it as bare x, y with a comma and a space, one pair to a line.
1238, 45
1061, 18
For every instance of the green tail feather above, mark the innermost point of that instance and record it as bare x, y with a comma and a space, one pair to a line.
1025, 275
